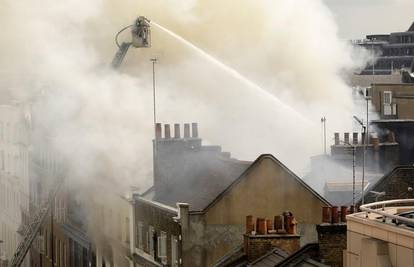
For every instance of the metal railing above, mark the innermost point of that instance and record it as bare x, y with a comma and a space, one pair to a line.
379, 208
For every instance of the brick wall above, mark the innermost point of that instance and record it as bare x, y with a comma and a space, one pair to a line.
332, 243
257, 245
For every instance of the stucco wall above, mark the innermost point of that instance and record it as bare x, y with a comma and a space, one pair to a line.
402, 95
266, 191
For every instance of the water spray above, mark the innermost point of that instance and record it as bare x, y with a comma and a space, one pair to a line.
234, 73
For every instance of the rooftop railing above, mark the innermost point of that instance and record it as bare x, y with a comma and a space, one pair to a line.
380, 209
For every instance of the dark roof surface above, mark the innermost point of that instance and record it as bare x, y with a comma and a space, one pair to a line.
407, 171
411, 29
270, 259
304, 257
202, 186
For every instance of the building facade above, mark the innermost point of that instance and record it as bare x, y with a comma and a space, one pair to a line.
393, 101
220, 192
380, 237
14, 176
394, 50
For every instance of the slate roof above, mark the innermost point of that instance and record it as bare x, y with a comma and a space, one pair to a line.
407, 171
411, 29
205, 181
306, 256
270, 259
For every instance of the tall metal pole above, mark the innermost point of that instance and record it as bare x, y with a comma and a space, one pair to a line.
373, 60
363, 164
323, 120
353, 175
154, 60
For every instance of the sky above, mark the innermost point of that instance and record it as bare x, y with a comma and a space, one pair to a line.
357, 18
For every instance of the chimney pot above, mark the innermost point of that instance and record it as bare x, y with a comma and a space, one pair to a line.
194, 130
269, 226
344, 212
346, 138
158, 131
335, 215
326, 215
278, 223
391, 137
186, 130
336, 139
261, 228
249, 224
167, 131
355, 138
177, 130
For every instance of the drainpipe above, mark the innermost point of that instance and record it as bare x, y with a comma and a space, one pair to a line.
132, 229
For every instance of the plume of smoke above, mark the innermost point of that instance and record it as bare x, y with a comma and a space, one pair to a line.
101, 120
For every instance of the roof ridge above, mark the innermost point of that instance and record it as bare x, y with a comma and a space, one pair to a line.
260, 158
411, 29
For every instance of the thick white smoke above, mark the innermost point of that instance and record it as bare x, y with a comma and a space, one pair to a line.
101, 119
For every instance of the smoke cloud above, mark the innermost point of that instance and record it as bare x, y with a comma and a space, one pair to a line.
100, 120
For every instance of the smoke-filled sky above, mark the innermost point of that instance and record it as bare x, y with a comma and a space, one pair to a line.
357, 18
101, 119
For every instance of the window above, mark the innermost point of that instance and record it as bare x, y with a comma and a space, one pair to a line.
174, 251
63, 255
127, 230
57, 256
162, 247
140, 232
56, 249
46, 244
150, 239
387, 97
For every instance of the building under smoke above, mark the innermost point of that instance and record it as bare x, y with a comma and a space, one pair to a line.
14, 177
395, 51
195, 213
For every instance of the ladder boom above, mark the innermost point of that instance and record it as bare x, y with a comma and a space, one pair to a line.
33, 228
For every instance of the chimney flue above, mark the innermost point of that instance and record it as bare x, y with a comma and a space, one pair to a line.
335, 215
355, 138
344, 212
249, 224
261, 227
186, 130
194, 130
336, 139
391, 137
346, 138
177, 133
158, 131
326, 215
167, 131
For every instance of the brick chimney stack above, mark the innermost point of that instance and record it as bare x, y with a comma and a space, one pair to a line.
279, 233
172, 150
332, 235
